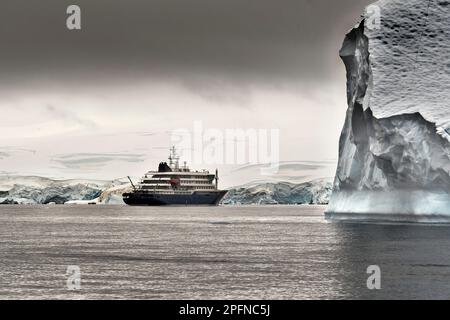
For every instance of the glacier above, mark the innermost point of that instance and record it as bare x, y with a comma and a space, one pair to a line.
394, 150
40, 190
282, 193
34, 190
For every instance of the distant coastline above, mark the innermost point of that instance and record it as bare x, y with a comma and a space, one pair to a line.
34, 190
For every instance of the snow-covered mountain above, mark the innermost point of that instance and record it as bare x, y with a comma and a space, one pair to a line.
314, 192
395, 146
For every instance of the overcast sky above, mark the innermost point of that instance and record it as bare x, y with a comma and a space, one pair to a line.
102, 102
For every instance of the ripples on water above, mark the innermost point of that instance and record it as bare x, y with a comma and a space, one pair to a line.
214, 253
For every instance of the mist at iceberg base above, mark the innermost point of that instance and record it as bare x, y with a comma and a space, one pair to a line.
394, 158
393, 205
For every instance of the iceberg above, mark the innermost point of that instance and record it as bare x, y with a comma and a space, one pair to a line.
394, 150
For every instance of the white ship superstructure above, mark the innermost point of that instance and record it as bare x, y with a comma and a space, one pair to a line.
179, 179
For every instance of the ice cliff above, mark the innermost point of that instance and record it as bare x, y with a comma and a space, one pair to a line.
394, 157
314, 192
39, 190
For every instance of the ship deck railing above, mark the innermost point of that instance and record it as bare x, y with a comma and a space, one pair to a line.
199, 173
175, 192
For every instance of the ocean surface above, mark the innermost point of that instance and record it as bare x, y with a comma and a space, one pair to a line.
271, 252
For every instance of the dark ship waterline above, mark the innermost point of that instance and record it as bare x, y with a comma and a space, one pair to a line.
175, 185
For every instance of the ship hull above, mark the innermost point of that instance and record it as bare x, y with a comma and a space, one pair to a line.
208, 198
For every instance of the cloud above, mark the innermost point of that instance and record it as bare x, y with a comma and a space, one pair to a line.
93, 161
67, 115
4, 155
10, 151
142, 67
8, 173
232, 42
146, 134
290, 166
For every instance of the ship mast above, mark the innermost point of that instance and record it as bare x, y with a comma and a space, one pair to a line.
174, 159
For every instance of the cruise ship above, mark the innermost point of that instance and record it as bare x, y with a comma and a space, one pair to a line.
173, 184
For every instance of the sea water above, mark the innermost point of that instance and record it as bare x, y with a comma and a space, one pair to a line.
256, 252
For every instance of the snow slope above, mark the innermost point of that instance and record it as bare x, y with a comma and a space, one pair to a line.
394, 156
